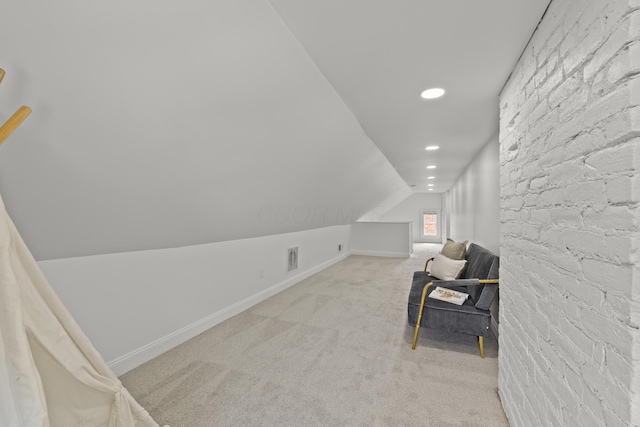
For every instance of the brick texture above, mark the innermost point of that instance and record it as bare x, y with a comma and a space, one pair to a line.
570, 220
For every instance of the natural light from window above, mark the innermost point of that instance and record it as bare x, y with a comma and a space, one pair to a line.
430, 224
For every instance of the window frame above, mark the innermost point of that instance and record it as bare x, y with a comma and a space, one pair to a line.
437, 237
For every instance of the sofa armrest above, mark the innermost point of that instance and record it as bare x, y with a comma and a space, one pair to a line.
488, 294
456, 283
465, 282
427, 263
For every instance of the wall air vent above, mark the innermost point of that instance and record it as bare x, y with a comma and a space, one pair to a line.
292, 259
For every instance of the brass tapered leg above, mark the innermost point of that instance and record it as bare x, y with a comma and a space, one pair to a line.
481, 344
415, 333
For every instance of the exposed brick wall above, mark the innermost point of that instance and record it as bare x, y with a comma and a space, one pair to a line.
570, 220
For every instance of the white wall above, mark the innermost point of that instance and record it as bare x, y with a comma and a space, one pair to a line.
160, 124
409, 211
134, 306
570, 199
475, 200
387, 239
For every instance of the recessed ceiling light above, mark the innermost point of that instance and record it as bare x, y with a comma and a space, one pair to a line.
431, 189
430, 185
431, 167
431, 177
432, 93
431, 147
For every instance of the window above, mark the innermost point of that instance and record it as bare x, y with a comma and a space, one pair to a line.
430, 226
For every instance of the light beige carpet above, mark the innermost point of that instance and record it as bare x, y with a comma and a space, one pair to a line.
333, 350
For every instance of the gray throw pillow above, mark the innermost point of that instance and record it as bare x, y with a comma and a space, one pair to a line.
454, 250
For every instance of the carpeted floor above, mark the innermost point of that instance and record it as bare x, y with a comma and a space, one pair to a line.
333, 350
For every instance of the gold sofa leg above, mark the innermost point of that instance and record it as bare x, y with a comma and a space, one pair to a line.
415, 333
481, 344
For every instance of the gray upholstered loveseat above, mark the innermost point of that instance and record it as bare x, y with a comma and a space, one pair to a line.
473, 316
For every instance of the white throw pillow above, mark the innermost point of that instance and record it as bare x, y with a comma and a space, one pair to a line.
444, 268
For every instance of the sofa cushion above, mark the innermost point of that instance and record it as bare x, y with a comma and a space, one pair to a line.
445, 316
444, 268
454, 250
481, 263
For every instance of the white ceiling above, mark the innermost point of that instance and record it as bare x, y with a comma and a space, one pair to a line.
379, 56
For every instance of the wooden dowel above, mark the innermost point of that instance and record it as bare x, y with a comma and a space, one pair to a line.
1, 75
13, 122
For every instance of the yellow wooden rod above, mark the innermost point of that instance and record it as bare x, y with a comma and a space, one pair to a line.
13, 122
415, 332
1, 74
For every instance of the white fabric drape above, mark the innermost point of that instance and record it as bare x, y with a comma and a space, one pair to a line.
50, 374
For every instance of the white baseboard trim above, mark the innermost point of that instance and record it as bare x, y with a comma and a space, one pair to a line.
382, 254
129, 361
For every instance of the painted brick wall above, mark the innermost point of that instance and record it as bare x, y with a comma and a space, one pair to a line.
570, 220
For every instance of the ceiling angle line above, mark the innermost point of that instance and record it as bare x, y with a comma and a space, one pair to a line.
525, 46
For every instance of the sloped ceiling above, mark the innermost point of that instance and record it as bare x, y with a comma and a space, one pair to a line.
160, 124
379, 55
